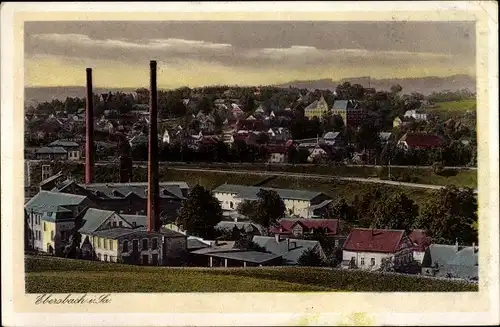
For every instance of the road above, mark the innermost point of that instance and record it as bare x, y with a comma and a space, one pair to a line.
286, 174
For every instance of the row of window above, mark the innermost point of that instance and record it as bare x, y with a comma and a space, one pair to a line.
362, 261
145, 245
104, 243
111, 258
35, 219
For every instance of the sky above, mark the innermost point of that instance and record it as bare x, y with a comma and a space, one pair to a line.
200, 53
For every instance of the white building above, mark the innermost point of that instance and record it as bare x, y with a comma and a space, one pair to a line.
297, 202
366, 248
416, 115
112, 237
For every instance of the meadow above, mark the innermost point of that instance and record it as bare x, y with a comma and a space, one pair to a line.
58, 275
453, 109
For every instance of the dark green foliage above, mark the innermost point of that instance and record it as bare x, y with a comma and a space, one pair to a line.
200, 213
395, 211
267, 210
310, 258
450, 215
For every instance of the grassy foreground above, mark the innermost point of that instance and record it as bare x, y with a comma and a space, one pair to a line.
57, 275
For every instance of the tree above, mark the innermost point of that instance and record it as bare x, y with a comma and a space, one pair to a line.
343, 211
73, 248
268, 209
205, 106
245, 207
367, 136
249, 103
262, 138
395, 89
450, 215
310, 258
200, 213
396, 211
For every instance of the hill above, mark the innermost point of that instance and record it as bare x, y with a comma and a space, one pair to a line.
424, 85
58, 275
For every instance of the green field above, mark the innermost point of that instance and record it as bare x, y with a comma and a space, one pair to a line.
453, 109
57, 275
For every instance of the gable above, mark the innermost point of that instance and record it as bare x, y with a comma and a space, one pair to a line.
113, 221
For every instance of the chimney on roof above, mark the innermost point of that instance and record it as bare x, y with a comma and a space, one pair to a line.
277, 237
89, 131
153, 184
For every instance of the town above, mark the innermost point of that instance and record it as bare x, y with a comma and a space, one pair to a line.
107, 212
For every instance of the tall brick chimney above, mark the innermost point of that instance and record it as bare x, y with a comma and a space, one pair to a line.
89, 131
154, 223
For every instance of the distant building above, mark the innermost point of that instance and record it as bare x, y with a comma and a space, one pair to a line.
366, 248
290, 227
415, 114
297, 202
350, 112
316, 109
72, 148
51, 153
411, 141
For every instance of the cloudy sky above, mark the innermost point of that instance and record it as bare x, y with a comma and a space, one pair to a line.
244, 53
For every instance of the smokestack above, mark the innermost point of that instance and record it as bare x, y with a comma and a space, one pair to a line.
153, 183
89, 131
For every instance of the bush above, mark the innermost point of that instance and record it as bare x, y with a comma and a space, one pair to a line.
438, 168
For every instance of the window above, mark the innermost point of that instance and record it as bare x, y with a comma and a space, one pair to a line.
99, 256
49, 213
135, 245
231, 205
125, 246
144, 244
111, 244
114, 223
98, 242
120, 223
51, 235
154, 246
105, 244
44, 226
362, 261
112, 259
106, 257
372, 261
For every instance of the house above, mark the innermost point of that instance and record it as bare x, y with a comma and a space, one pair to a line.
72, 148
318, 153
333, 139
51, 217
224, 254
129, 197
112, 237
316, 109
289, 249
301, 227
453, 261
277, 152
411, 141
367, 248
350, 112
421, 242
245, 226
401, 121
384, 137
297, 202
51, 153
415, 114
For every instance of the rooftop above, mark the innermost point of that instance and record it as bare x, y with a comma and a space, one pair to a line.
373, 240
50, 201
250, 192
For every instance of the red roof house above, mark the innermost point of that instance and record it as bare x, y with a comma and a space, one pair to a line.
420, 141
305, 226
367, 248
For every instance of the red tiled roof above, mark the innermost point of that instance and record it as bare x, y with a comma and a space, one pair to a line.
419, 239
423, 140
373, 240
288, 224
